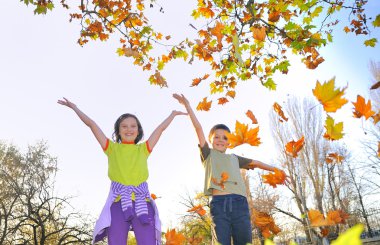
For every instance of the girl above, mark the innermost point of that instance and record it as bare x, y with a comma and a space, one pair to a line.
229, 206
129, 203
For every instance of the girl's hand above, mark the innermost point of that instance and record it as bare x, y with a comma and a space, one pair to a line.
176, 113
181, 99
67, 103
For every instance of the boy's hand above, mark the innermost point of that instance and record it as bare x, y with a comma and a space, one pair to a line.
181, 99
67, 103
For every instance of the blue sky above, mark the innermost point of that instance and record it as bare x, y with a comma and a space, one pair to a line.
40, 62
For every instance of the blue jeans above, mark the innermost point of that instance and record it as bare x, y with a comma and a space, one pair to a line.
230, 214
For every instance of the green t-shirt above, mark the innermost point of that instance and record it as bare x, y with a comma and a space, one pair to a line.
216, 163
127, 162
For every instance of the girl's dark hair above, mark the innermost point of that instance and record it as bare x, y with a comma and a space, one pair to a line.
116, 134
217, 126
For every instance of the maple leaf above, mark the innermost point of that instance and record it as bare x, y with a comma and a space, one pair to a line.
376, 85
204, 105
217, 32
174, 238
153, 196
351, 236
328, 96
259, 33
276, 178
333, 131
362, 109
222, 100
278, 109
251, 116
346, 29
274, 16
196, 81
198, 209
331, 157
223, 179
316, 218
243, 135
265, 223
293, 147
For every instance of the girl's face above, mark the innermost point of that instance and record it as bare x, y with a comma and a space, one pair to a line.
128, 130
219, 140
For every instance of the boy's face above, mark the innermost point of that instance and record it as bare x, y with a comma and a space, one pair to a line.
219, 140
128, 130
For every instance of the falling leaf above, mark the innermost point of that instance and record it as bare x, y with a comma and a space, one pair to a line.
223, 179
153, 196
276, 178
346, 29
351, 236
251, 116
198, 209
277, 108
316, 218
334, 157
333, 131
328, 96
204, 105
370, 42
222, 100
265, 223
362, 109
376, 85
196, 81
293, 147
174, 238
376, 118
243, 135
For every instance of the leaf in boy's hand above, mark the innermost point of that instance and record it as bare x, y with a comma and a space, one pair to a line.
276, 178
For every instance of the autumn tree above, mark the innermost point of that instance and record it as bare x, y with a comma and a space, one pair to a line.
239, 40
308, 170
30, 212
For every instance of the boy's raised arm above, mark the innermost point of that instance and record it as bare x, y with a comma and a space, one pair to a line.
155, 136
198, 127
98, 133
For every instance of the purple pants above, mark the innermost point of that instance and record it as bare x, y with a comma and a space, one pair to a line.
118, 231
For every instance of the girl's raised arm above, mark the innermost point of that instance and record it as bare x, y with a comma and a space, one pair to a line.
155, 136
98, 133
198, 127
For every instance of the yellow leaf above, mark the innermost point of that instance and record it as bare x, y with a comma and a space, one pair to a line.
204, 105
328, 96
350, 237
333, 131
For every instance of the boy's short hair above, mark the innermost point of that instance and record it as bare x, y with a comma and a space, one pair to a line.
217, 126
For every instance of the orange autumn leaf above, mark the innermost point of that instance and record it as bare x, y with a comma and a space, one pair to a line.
362, 109
316, 218
157, 79
231, 93
375, 86
333, 131
274, 16
217, 31
333, 217
259, 33
293, 147
223, 179
196, 81
325, 232
174, 238
346, 29
265, 223
242, 135
276, 178
198, 209
251, 116
277, 108
222, 100
376, 118
334, 157
153, 196
328, 96
195, 240
204, 105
